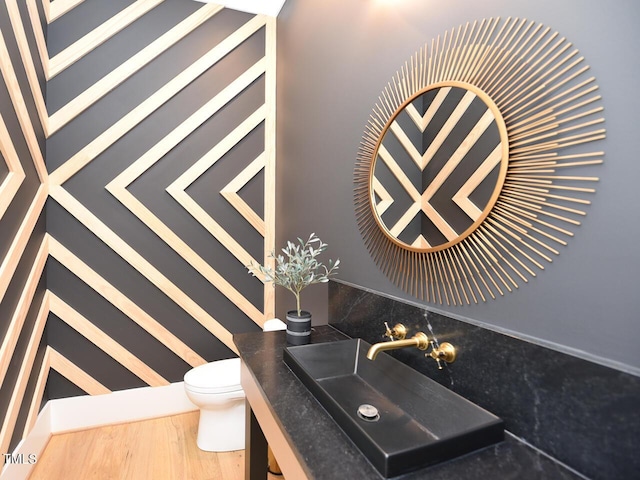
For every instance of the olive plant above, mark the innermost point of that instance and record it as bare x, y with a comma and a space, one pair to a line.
298, 267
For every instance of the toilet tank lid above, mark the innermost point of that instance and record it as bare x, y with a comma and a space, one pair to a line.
216, 377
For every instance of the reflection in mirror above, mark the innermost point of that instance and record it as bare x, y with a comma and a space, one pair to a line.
439, 167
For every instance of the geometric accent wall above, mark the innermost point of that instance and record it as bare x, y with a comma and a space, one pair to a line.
157, 122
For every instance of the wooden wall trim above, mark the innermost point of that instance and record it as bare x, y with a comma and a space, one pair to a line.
20, 387
20, 107
11, 183
155, 101
74, 374
21, 239
38, 33
55, 9
41, 383
118, 186
178, 191
27, 62
19, 316
230, 193
99, 35
120, 74
269, 305
104, 342
51, 186
142, 265
122, 303
213, 227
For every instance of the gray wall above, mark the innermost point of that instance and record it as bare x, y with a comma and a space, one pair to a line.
335, 57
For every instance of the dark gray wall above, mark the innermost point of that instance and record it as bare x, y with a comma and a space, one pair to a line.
334, 59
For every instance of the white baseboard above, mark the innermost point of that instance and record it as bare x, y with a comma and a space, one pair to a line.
80, 413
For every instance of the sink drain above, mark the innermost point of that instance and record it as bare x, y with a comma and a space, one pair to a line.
368, 412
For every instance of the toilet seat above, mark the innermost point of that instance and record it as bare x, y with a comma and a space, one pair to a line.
222, 376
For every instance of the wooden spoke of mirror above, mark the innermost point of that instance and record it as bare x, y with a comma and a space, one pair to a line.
552, 113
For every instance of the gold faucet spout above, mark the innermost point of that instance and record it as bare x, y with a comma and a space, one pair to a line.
419, 340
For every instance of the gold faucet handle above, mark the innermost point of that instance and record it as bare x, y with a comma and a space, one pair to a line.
398, 332
445, 352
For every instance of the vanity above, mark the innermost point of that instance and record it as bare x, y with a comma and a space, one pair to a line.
308, 443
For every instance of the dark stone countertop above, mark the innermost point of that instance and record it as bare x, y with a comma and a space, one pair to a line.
326, 453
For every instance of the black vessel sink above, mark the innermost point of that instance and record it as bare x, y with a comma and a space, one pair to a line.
399, 419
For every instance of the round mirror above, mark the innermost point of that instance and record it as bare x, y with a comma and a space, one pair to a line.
439, 167
471, 171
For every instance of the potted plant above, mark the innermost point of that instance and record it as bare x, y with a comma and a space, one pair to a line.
295, 269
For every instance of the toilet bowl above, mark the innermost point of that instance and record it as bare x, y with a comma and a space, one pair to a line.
215, 388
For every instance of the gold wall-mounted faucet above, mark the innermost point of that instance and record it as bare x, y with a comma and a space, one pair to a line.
419, 340
445, 352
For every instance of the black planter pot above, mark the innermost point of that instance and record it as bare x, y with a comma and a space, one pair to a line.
298, 327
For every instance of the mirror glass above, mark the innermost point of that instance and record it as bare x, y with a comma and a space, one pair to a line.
439, 167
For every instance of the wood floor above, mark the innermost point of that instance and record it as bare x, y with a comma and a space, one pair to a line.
158, 449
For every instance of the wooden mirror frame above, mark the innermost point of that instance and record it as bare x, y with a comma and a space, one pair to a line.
551, 113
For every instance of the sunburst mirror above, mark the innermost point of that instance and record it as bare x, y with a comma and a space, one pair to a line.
462, 189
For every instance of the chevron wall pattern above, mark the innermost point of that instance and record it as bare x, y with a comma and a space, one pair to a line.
137, 179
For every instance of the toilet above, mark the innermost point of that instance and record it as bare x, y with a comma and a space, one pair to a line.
215, 389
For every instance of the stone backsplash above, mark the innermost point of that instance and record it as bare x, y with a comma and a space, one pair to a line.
583, 414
